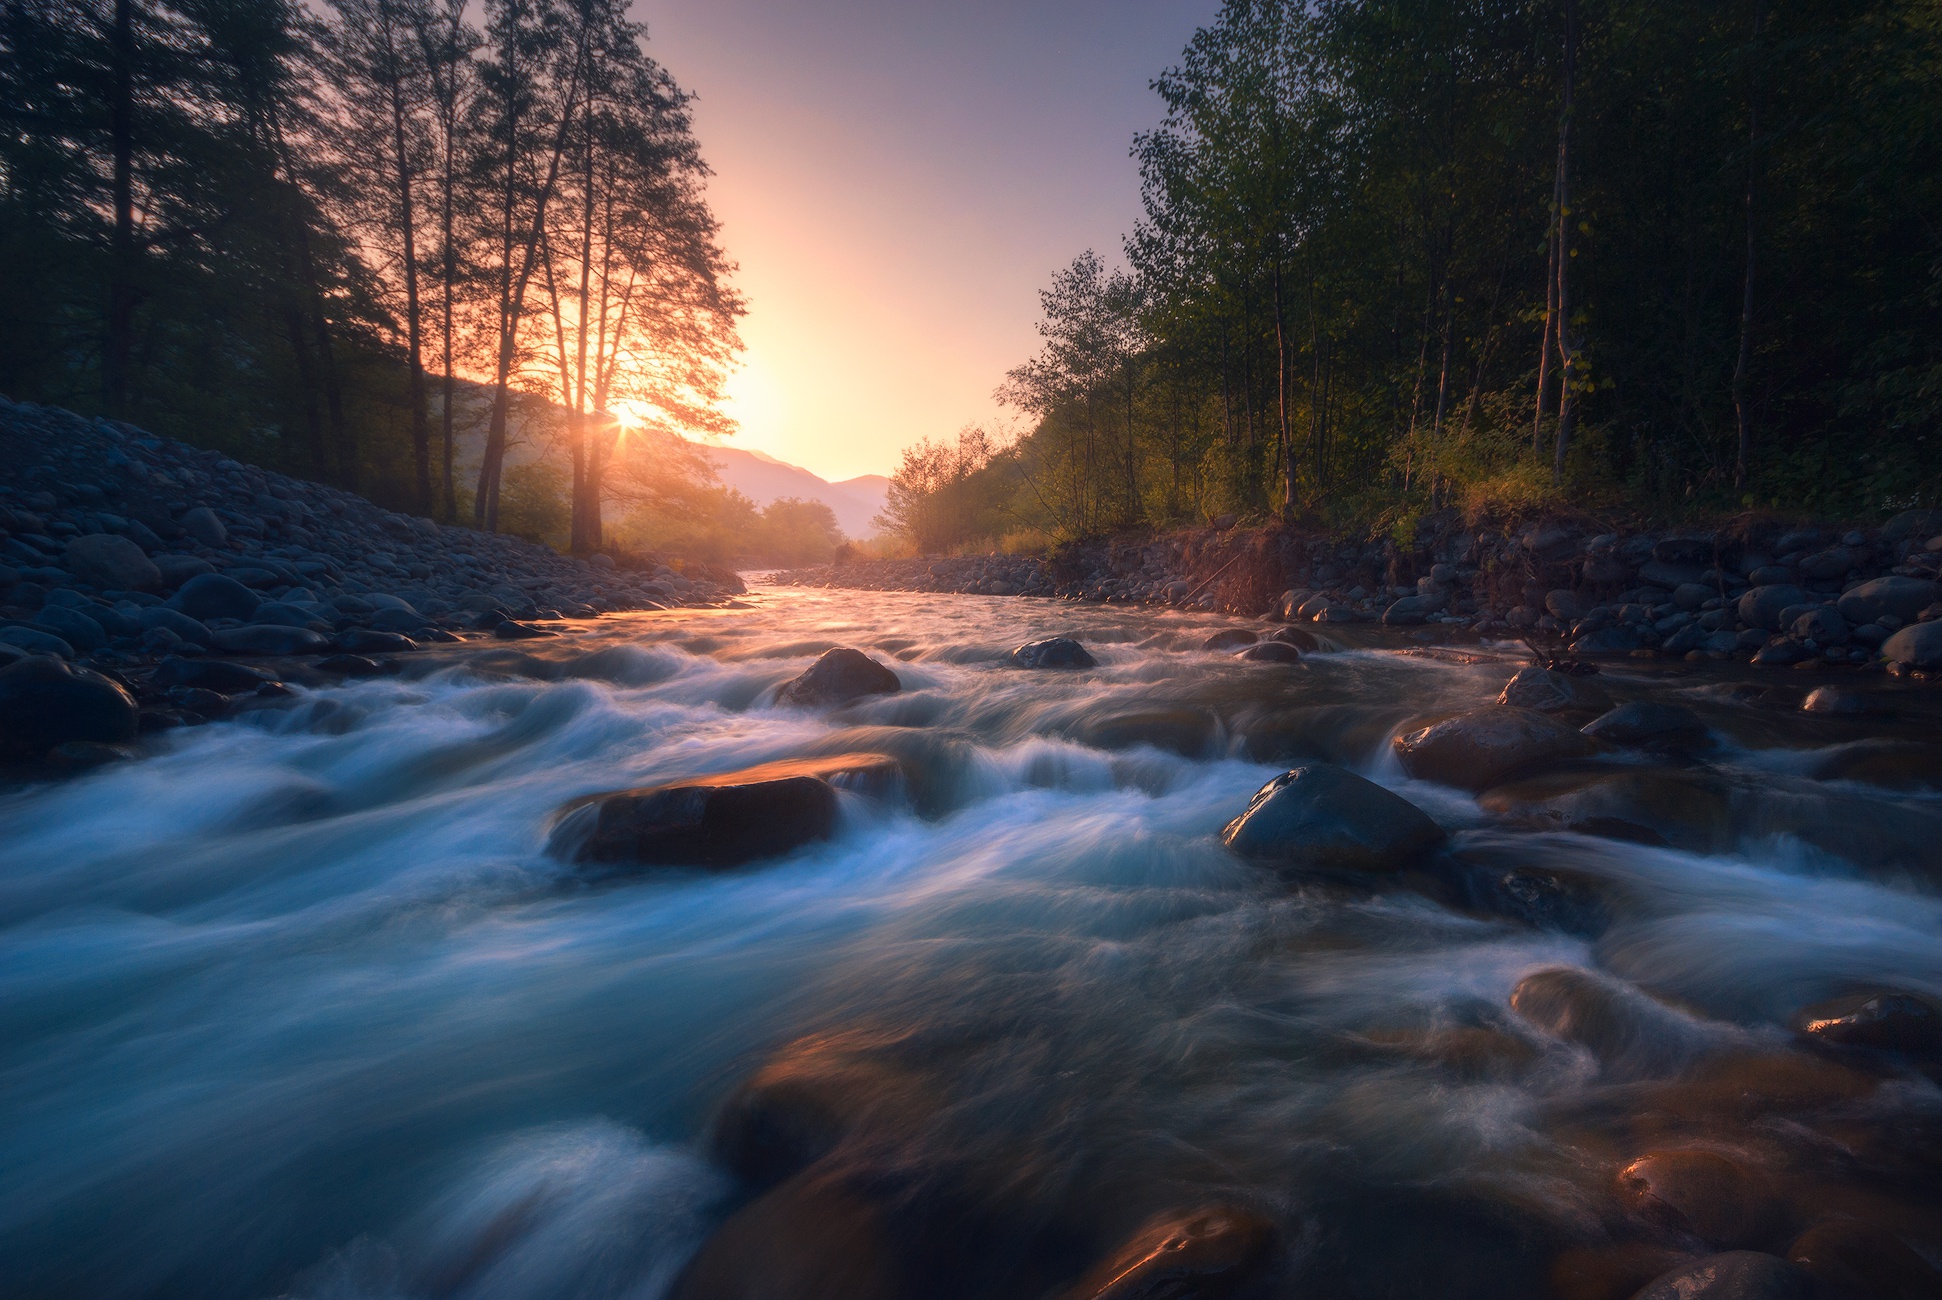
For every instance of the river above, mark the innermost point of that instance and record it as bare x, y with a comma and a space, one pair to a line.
300, 1006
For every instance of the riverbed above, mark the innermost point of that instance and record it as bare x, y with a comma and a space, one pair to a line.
299, 1004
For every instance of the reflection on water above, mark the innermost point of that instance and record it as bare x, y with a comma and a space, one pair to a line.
301, 1005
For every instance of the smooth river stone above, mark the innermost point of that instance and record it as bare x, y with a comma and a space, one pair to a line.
1323, 816
1474, 751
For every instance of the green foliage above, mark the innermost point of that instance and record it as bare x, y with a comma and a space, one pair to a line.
534, 504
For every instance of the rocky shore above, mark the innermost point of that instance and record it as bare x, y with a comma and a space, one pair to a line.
129, 563
1764, 592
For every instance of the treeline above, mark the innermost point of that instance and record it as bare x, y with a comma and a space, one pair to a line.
1404, 255
294, 235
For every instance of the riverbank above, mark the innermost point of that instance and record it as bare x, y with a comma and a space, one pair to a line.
128, 555
1758, 591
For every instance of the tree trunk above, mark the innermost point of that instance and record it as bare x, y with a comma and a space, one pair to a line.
1567, 397
1550, 320
420, 433
1743, 461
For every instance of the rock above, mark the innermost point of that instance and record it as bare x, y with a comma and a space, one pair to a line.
1544, 898
1296, 637
203, 524
1893, 764
1553, 692
178, 569
1624, 1030
1912, 523
508, 630
1835, 699
1326, 817
713, 821
1918, 646
261, 640
1903, 598
1704, 1192
1191, 1255
839, 676
1565, 604
76, 756
1647, 724
274, 613
404, 621
1054, 652
1823, 626
1691, 595
209, 675
161, 616
1186, 732
215, 595
812, 1238
1884, 1020
1412, 610
363, 641
1229, 639
1683, 550
1761, 607
112, 563
1834, 562
1658, 573
45, 702
1271, 652
1734, 1275
36, 642
1690, 810
1475, 751
1616, 640
349, 665
804, 1101
1780, 652
1853, 1260
72, 626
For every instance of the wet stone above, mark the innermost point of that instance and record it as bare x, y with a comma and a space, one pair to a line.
1734, 1275
1852, 1260
209, 674
508, 630
838, 677
1650, 724
1553, 692
1271, 652
1885, 1020
1475, 751
1326, 817
45, 703
1193, 1255
1232, 638
1054, 652
1707, 1193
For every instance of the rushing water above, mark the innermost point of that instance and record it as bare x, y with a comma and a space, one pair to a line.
299, 1005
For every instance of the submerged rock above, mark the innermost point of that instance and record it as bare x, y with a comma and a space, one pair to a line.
1553, 692
1232, 638
1627, 1032
812, 1238
1053, 652
1186, 732
724, 820
209, 675
1886, 1020
1649, 724
1192, 1255
839, 676
1851, 1260
1271, 652
1734, 1275
1296, 637
1326, 817
1707, 1193
45, 703
1682, 809
1474, 751
1894, 764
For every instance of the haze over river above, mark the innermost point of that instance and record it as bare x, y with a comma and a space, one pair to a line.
302, 1006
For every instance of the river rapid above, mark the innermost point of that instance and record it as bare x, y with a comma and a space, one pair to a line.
300, 1006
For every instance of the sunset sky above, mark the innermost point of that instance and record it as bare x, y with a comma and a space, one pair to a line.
898, 179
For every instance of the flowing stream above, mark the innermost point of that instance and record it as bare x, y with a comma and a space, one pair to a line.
300, 1006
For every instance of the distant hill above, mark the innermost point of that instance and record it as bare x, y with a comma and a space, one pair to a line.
762, 479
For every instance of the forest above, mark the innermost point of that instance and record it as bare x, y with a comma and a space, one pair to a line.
1404, 256
349, 243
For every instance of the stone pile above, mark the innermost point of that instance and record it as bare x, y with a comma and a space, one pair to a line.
1768, 593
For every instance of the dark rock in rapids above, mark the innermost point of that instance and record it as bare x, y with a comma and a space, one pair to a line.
717, 821
1054, 652
1553, 692
804, 1101
1631, 1035
1326, 817
215, 595
1919, 646
208, 674
814, 1236
1707, 1193
1186, 732
1893, 764
1885, 1020
75, 756
1271, 652
508, 630
1192, 1255
44, 703
349, 665
1835, 699
1474, 751
1904, 598
1545, 898
838, 677
1648, 724
1852, 1260
1299, 638
1229, 639
112, 563
1618, 639
1690, 810
268, 639
363, 641
1762, 607
1734, 1275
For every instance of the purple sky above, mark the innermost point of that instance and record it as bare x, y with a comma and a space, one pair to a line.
898, 180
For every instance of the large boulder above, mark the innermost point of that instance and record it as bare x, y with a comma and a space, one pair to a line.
1053, 652
1650, 724
72, 626
112, 563
1734, 1275
1884, 1020
1232, 638
1904, 598
1323, 816
1271, 652
1682, 809
1553, 692
813, 1236
839, 676
1912, 523
1762, 607
205, 526
36, 641
717, 821
1193, 1255
175, 621
265, 639
1919, 646
215, 595
45, 703
1474, 751
1707, 1193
